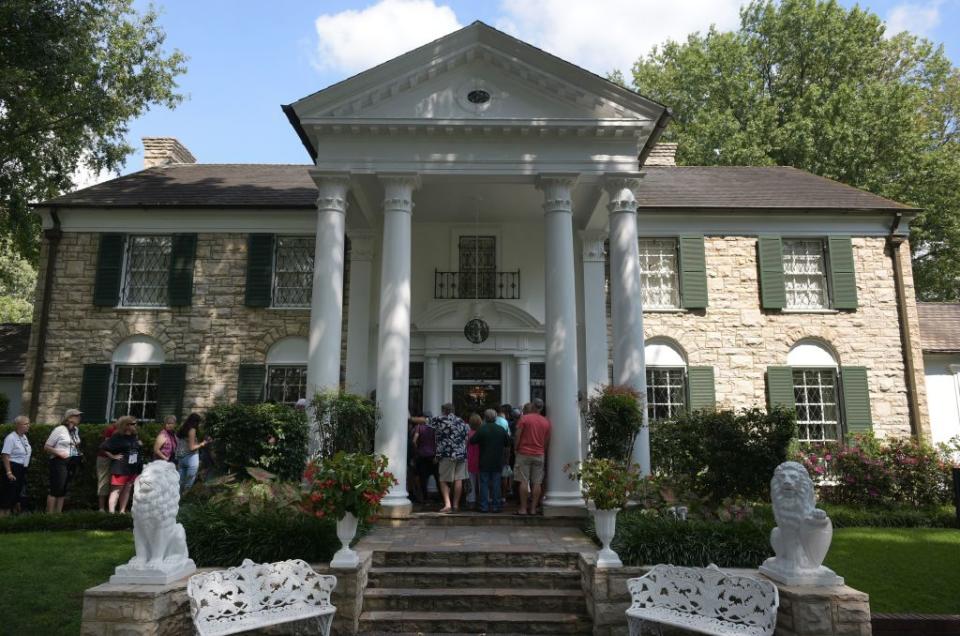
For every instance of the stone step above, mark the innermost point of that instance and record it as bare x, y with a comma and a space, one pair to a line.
428, 519
487, 558
472, 577
474, 623
475, 600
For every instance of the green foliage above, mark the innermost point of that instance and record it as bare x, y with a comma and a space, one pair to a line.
898, 516
251, 496
220, 536
614, 416
72, 75
346, 482
73, 520
345, 422
268, 436
813, 85
606, 482
643, 539
725, 454
4, 406
82, 493
18, 279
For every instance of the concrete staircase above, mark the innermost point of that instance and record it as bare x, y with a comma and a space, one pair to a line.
475, 589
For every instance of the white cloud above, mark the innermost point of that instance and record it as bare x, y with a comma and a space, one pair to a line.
603, 35
919, 18
352, 41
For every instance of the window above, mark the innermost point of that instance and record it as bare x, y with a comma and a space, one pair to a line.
658, 273
136, 375
293, 271
286, 384
538, 381
146, 271
815, 393
666, 393
804, 274
478, 266
415, 389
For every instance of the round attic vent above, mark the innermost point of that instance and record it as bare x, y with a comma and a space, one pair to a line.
478, 96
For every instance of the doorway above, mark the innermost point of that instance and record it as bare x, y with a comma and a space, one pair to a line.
476, 387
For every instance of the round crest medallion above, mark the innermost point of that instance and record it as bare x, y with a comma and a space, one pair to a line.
476, 331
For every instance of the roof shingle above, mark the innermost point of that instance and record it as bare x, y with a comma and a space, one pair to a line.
14, 341
939, 326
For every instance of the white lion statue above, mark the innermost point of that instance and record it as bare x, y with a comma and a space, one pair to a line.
160, 542
803, 533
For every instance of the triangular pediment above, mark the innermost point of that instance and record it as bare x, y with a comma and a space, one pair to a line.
447, 80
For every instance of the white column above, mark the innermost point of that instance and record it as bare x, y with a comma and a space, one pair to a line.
561, 343
358, 322
523, 382
432, 385
596, 353
629, 367
326, 306
393, 361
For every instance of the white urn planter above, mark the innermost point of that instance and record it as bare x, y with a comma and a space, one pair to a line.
605, 522
346, 530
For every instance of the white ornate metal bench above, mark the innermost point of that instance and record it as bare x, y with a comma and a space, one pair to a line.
703, 600
256, 595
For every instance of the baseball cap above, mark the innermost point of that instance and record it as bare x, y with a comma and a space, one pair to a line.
72, 412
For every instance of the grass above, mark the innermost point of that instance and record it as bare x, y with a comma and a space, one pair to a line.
45, 574
902, 569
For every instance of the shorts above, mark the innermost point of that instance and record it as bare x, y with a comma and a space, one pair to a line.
103, 476
122, 480
452, 469
61, 472
529, 468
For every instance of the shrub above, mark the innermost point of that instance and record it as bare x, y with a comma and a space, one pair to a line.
606, 482
74, 520
268, 436
82, 493
614, 416
4, 407
896, 517
727, 454
345, 422
346, 482
643, 539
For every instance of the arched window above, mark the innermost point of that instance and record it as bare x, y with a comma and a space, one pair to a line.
815, 390
136, 373
287, 370
666, 379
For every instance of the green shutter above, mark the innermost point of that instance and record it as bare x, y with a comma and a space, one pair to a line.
170, 390
250, 383
180, 284
773, 294
94, 392
780, 387
843, 277
259, 270
856, 399
106, 284
693, 273
700, 387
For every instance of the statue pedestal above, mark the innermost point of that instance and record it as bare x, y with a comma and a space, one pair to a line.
818, 577
128, 574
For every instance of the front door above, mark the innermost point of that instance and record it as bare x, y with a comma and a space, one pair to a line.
476, 387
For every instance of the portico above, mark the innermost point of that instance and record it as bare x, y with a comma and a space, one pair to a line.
476, 151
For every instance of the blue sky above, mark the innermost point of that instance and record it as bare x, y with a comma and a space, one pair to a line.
247, 57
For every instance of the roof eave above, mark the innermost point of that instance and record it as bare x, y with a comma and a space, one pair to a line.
294, 120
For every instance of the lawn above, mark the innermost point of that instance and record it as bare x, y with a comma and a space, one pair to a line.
45, 574
902, 569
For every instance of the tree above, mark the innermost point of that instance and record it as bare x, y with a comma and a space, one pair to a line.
73, 73
18, 279
809, 84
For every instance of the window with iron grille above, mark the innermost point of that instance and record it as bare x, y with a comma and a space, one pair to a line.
293, 271
815, 394
805, 274
135, 391
666, 393
658, 273
478, 266
538, 381
286, 383
146, 271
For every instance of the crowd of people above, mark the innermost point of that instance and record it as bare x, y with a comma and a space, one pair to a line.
119, 460
478, 462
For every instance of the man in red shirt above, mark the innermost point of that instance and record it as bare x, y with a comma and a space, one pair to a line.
531, 442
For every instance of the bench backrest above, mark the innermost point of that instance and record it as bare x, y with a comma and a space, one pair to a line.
252, 592
708, 592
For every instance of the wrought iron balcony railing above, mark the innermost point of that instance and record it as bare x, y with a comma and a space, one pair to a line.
466, 285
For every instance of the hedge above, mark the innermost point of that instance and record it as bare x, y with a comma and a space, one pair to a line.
76, 520
82, 494
268, 436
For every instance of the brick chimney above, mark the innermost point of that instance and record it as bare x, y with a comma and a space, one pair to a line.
161, 151
663, 154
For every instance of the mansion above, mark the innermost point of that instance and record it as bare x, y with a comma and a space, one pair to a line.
480, 223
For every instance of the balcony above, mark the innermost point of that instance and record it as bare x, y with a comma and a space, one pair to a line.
468, 285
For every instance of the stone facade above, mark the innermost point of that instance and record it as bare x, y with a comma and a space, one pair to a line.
218, 333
